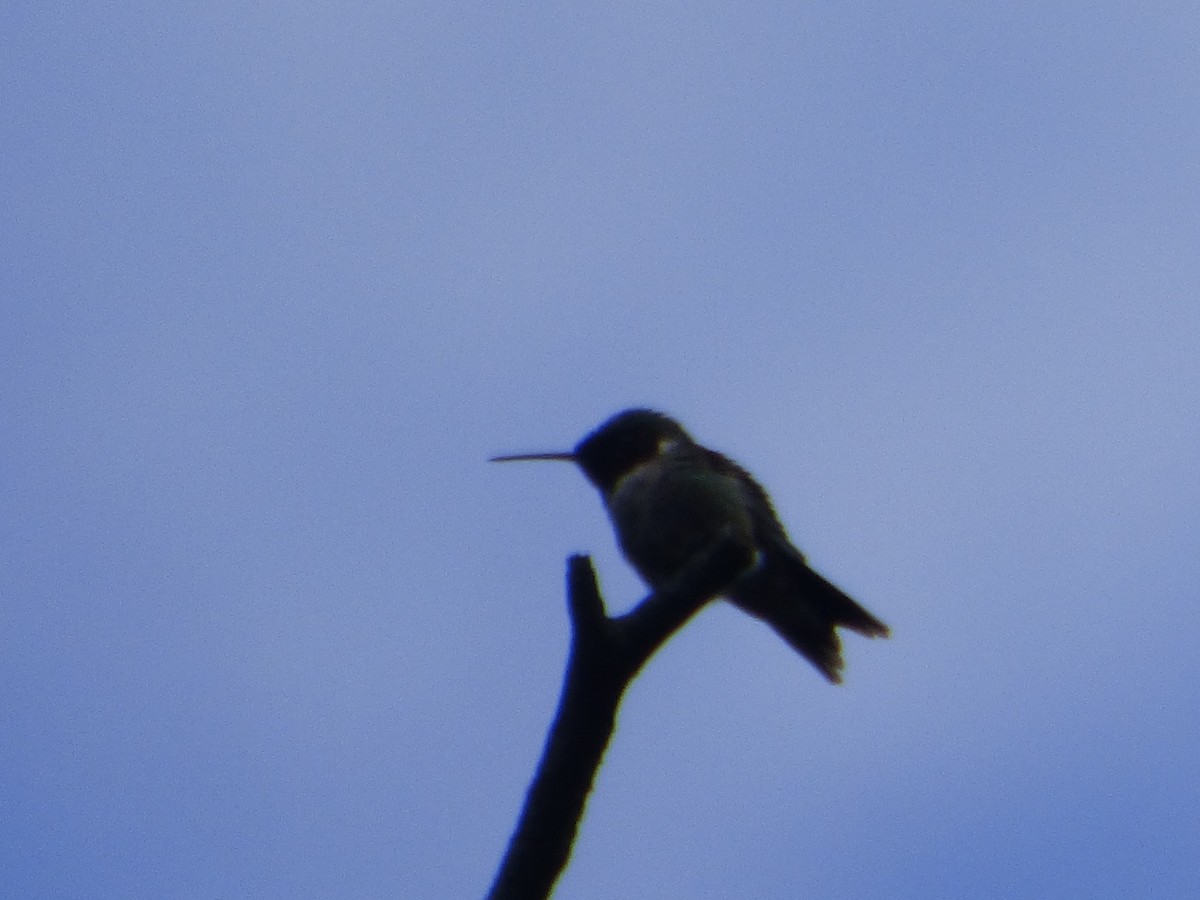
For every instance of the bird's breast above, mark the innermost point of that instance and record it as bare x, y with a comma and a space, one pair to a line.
665, 512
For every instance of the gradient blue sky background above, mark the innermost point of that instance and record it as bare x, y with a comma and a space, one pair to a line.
277, 279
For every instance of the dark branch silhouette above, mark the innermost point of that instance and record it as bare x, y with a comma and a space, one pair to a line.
606, 654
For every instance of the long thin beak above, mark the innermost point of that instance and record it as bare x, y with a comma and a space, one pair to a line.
562, 457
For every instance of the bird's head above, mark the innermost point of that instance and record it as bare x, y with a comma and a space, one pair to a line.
618, 446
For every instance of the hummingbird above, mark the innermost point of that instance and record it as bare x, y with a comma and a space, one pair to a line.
669, 498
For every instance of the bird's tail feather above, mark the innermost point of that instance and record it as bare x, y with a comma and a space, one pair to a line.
805, 609
839, 607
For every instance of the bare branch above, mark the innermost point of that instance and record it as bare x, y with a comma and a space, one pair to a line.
606, 654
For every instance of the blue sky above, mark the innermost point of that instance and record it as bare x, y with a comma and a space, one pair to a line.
275, 282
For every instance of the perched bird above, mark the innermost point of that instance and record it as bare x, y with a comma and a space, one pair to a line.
669, 498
